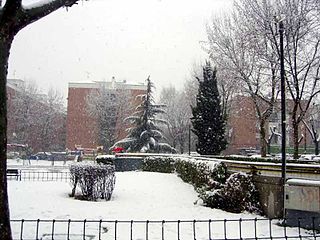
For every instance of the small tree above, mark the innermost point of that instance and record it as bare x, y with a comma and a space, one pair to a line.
312, 125
178, 117
207, 121
108, 107
145, 135
51, 121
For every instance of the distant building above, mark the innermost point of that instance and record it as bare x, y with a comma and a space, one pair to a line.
242, 132
243, 127
82, 129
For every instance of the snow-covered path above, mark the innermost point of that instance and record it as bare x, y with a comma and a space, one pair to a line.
137, 196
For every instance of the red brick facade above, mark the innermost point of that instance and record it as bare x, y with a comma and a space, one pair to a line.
244, 127
243, 131
81, 128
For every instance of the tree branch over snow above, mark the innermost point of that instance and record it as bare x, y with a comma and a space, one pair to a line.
36, 12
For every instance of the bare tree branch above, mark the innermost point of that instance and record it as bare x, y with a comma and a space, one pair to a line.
35, 13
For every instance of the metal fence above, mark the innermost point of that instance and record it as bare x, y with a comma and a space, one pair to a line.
226, 229
25, 175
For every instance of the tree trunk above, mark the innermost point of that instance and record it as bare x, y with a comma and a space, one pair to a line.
316, 147
269, 148
295, 127
5, 229
263, 143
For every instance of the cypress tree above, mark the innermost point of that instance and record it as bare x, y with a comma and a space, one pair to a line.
207, 121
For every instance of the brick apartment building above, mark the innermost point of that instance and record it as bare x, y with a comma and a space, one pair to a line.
243, 125
82, 129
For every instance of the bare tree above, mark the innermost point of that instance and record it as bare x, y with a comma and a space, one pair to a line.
14, 17
178, 117
36, 119
50, 121
109, 107
234, 44
23, 113
302, 59
312, 124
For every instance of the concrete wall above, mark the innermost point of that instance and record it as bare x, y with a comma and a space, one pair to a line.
271, 198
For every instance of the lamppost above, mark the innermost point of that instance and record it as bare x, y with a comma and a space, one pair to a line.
283, 114
189, 140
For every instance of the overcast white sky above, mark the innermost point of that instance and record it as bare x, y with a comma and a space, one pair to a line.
128, 39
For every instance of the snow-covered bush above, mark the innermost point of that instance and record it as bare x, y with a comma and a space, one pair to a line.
193, 172
216, 187
94, 180
158, 164
199, 173
237, 194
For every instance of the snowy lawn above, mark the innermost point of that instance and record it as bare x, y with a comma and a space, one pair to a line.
137, 196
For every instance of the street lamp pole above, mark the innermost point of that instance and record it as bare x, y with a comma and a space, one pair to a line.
189, 140
283, 114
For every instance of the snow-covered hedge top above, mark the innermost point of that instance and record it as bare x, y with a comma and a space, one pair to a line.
90, 168
212, 163
105, 157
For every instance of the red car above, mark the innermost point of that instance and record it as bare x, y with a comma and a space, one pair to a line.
118, 150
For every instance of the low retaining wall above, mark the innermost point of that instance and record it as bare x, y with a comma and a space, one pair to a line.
270, 194
128, 164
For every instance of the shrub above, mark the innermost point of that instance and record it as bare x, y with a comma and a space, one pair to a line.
201, 174
95, 180
197, 173
234, 193
158, 164
238, 194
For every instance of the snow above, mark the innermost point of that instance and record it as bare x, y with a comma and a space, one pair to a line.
137, 196
303, 182
35, 4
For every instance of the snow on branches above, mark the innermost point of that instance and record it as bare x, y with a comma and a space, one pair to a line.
144, 135
95, 180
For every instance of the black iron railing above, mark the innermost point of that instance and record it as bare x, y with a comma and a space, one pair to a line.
25, 175
226, 229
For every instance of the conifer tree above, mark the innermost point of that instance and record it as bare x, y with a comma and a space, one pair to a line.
207, 121
144, 135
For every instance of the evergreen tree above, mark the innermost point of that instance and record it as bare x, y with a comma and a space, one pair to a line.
207, 121
144, 135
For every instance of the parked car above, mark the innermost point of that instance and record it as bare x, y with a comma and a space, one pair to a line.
41, 156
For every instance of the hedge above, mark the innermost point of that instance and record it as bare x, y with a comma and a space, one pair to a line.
94, 180
215, 185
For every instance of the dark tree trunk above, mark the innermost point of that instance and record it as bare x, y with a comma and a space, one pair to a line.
5, 229
263, 143
269, 148
295, 127
316, 147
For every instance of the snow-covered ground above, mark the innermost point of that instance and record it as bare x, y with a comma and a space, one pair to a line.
137, 196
